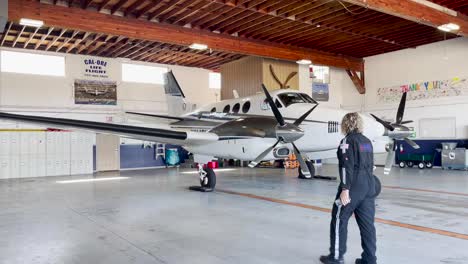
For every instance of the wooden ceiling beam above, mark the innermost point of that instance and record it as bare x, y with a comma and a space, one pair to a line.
103, 4
31, 37
18, 36
5, 34
77, 42
116, 7
198, 4
39, 43
147, 8
133, 6
415, 12
78, 19
67, 40
54, 40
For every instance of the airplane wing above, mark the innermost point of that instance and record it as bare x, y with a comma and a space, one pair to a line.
135, 132
189, 122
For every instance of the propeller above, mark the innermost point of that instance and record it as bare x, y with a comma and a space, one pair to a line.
285, 132
395, 131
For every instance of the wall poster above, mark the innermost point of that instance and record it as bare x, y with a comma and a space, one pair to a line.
424, 90
320, 91
95, 92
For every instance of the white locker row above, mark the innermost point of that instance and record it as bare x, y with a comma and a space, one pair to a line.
35, 154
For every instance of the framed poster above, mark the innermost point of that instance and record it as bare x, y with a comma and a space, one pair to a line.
320, 91
95, 92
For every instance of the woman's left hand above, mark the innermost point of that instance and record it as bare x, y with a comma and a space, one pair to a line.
344, 197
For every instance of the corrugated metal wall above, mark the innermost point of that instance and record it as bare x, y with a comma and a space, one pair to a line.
244, 75
247, 75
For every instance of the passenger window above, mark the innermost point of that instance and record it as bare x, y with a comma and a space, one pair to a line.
235, 108
226, 109
246, 107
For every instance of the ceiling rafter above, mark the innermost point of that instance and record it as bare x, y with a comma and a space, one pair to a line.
18, 36
77, 42
39, 43
31, 37
54, 40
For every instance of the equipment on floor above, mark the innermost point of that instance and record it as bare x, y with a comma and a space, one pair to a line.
454, 158
421, 160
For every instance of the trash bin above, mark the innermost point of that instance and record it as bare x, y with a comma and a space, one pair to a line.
172, 157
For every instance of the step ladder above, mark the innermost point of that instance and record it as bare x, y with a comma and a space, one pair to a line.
160, 150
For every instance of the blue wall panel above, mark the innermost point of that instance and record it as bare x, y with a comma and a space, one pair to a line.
135, 156
428, 147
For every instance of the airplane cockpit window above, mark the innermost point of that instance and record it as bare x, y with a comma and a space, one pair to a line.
213, 110
235, 108
226, 109
295, 98
246, 107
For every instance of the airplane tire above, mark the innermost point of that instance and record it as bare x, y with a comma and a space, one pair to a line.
210, 179
311, 167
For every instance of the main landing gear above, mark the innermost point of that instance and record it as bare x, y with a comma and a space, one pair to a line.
207, 179
312, 175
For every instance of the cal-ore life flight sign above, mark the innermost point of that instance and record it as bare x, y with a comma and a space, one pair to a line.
95, 68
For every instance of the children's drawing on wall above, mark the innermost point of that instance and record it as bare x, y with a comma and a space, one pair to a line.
425, 90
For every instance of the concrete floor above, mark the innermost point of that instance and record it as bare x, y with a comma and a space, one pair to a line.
151, 217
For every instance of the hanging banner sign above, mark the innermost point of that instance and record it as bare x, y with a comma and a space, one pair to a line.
425, 90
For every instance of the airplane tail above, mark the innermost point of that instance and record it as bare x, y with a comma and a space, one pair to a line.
176, 103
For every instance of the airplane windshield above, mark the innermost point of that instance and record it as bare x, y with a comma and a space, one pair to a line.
295, 98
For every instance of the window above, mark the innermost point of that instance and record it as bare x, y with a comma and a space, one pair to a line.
215, 80
295, 98
213, 110
235, 108
246, 107
30, 63
320, 74
226, 109
143, 73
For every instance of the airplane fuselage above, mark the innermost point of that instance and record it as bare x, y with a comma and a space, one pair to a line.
322, 132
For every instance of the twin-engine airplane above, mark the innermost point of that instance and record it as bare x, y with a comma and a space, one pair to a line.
244, 129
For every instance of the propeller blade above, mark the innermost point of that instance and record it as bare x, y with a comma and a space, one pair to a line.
389, 162
304, 116
385, 124
412, 143
401, 109
406, 122
304, 168
260, 157
273, 107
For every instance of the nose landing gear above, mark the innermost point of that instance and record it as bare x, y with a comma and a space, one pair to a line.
207, 179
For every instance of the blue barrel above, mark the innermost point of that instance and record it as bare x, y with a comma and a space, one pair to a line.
172, 157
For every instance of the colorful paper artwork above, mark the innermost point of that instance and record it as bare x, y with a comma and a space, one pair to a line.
425, 90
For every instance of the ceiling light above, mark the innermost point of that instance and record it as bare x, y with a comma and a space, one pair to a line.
449, 27
304, 62
31, 22
198, 46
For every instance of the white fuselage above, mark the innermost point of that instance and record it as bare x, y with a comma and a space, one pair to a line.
322, 132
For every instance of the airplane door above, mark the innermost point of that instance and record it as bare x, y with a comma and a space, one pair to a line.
107, 152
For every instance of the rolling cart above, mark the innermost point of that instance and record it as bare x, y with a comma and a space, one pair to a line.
421, 160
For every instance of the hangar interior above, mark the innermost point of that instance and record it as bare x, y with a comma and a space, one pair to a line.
127, 103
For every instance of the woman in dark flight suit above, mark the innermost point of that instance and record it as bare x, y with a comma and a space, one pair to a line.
356, 193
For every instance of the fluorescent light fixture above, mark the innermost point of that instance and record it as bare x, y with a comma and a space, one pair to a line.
93, 180
304, 62
216, 170
449, 27
198, 46
31, 22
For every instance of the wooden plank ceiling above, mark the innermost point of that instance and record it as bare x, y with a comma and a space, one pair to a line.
327, 25
87, 43
457, 5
